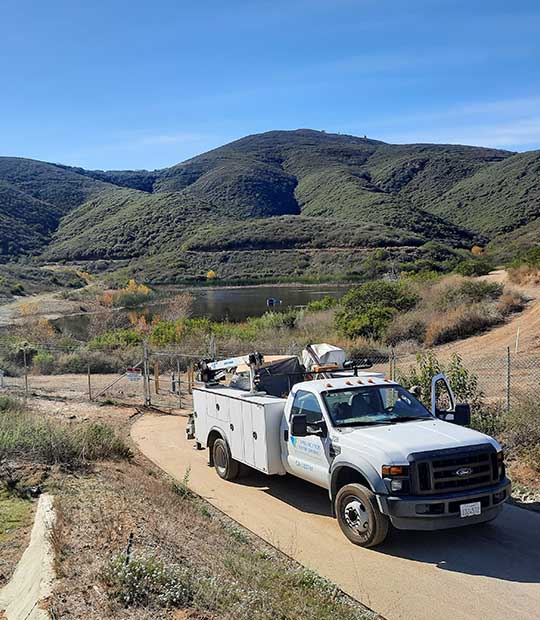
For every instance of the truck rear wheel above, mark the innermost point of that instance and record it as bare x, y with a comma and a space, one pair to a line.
226, 467
359, 516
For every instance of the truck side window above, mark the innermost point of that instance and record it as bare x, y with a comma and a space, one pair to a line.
306, 403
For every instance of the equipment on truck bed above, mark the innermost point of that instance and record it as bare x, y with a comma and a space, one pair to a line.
211, 372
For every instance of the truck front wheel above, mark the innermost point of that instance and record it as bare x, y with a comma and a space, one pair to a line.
226, 467
359, 516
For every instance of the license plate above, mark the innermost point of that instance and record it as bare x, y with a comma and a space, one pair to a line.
470, 510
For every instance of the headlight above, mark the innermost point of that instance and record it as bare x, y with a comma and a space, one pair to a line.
396, 485
396, 478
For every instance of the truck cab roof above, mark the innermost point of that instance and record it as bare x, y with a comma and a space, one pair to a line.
343, 382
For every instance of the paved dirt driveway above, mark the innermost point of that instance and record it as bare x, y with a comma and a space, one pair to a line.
490, 571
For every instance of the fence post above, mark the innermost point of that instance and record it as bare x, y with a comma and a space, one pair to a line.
156, 376
179, 383
146, 381
89, 384
25, 373
392, 364
508, 377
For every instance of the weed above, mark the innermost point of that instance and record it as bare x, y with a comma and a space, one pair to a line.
147, 582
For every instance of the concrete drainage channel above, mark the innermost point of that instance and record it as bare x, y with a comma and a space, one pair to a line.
24, 597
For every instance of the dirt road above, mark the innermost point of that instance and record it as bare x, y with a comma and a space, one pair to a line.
490, 571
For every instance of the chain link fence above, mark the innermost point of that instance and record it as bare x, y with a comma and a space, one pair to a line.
144, 375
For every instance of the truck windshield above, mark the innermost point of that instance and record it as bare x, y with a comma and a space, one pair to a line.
377, 404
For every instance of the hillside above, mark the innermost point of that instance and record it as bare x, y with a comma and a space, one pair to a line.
33, 198
281, 193
497, 199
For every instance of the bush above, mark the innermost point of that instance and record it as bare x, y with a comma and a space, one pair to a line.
25, 435
461, 322
451, 308
454, 291
528, 258
120, 338
8, 403
464, 383
408, 326
147, 582
325, 303
524, 275
17, 289
44, 363
521, 434
478, 266
367, 310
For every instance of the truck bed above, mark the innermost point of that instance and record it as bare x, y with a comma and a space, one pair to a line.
249, 423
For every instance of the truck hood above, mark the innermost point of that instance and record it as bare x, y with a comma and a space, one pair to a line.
393, 443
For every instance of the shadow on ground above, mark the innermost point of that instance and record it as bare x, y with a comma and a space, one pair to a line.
507, 549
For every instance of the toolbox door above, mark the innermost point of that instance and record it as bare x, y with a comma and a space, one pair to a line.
236, 430
247, 428
258, 437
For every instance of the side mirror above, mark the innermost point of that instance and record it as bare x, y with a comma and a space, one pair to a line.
462, 415
319, 428
299, 425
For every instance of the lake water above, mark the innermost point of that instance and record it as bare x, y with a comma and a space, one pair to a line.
233, 304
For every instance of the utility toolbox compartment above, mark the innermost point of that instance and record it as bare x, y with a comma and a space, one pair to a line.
249, 423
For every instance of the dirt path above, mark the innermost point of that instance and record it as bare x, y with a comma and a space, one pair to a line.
47, 306
489, 571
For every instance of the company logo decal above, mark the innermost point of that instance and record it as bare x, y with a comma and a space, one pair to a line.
464, 471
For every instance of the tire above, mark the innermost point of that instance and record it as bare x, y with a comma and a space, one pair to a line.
359, 516
226, 467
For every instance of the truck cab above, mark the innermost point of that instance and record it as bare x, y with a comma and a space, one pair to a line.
384, 458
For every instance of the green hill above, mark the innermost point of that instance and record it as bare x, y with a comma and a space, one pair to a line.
33, 198
497, 199
309, 202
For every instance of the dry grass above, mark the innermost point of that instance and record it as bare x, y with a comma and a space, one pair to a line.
460, 322
524, 275
28, 436
231, 574
453, 308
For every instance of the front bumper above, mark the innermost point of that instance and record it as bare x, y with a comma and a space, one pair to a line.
436, 512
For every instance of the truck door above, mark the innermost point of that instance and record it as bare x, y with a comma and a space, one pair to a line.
307, 457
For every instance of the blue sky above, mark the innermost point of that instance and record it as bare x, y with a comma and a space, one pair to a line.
132, 84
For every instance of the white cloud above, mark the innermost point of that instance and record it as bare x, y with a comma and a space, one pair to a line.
504, 123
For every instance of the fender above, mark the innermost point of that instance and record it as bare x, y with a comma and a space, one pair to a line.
364, 468
222, 434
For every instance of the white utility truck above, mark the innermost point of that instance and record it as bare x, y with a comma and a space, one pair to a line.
383, 457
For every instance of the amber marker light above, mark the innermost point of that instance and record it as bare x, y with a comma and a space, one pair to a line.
393, 470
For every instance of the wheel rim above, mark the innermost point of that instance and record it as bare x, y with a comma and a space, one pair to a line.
356, 516
220, 459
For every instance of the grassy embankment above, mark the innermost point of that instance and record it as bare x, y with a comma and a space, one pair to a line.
185, 560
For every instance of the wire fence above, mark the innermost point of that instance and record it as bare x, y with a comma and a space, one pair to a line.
144, 375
